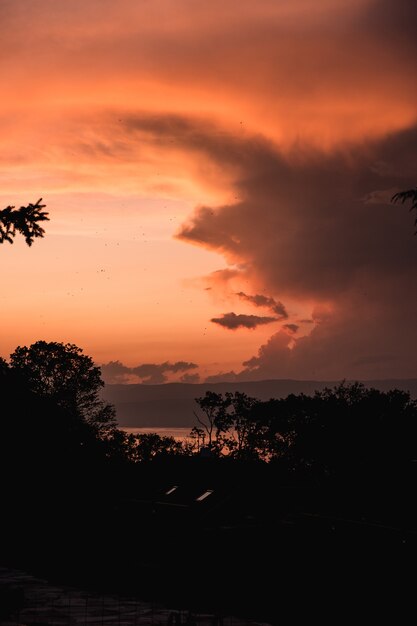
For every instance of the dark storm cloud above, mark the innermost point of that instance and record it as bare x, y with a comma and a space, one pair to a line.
150, 373
304, 224
368, 336
318, 228
315, 229
264, 301
395, 22
232, 321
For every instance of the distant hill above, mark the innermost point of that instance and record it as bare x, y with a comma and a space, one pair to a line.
172, 404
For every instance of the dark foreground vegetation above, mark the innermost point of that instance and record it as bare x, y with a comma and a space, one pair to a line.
302, 507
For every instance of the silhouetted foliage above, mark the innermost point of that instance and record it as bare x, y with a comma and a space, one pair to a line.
120, 446
404, 196
197, 439
24, 220
148, 446
238, 441
3, 367
132, 448
290, 481
215, 419
38, 433
334, 432
64, 374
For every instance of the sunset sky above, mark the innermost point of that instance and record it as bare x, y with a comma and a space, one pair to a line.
218, 177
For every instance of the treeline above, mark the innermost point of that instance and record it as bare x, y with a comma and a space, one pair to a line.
347, 426
77, 492
52, 411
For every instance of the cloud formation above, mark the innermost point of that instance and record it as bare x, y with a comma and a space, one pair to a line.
339, 63
292, 328
190, 378
115, 372
146, 373
233, 321
298, 117
319, 229
263, 301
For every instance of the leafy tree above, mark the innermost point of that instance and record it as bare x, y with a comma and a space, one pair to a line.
63, 373
242, 431
150, 445
24, 221
120, 445
340, 431
404, 196
275, 427
36, 433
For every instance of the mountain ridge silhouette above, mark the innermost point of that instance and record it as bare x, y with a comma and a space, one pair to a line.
173, 404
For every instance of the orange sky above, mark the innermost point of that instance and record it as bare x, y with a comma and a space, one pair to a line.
189, 152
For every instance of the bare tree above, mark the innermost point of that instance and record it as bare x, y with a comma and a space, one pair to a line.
215, 419
24, 221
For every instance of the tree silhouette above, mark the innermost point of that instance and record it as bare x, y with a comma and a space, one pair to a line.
197, 436
24, 220
151, 445
404, 196
349, 429
63, 373
242, 429
216, 419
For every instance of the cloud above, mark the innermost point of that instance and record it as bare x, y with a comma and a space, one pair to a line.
341, 64
315, 233
147, 373
291, 327
190, 378
152, 373
316, 228
319, 229
222, 377
374, 344
224, 276
264, 301
299, 114
335, 73
232, 321
115, 372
